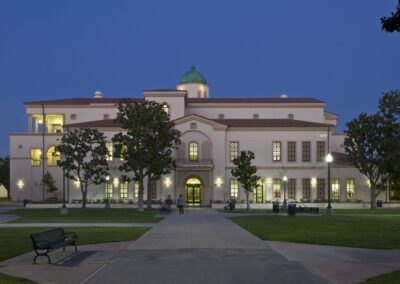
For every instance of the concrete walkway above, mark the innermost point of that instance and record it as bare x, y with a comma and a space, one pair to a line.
23, 225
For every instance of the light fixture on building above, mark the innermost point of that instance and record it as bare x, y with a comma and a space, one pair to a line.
313, 181
116, 182
107, 178
368, 183
77, 183
269, 181
218, 182
20, 184
167, 182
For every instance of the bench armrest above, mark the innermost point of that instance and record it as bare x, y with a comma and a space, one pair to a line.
71, 235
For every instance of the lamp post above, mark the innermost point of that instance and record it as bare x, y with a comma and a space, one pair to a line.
284, 192
107, 193
329, 160
64, 209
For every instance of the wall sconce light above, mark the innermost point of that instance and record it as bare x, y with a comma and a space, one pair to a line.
368, 183
218, 182
20, 184
285, 178
77, 183
269, 181
167, 182
107, 178
116, 182
313, 181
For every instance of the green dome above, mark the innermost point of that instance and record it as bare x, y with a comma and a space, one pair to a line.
193, 76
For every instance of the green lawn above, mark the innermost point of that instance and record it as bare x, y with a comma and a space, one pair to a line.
352, 231
4, 278
366, 211
16, 241
392, 278
87, 215
259, 211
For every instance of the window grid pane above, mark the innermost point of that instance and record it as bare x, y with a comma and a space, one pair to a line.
350, 188
109, 189
123, 189
36, 154
234, 150
306, 188
292, 188
291, 151
276, 151
136, 189
110, 149
320, 151
321, 189
234, 190
276, 188
193, 151
306, 153
335, 188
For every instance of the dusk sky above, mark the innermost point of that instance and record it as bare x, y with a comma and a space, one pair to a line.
331, 50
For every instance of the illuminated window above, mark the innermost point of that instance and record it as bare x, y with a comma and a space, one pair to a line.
306, 153
291, 151
234, 150
109, 189
258, 193
320, 151
36, 154
110, 149
276, 188
335, 188
276, 151
193, 151
292, 188
123, 151
306, 188
350, 188
166, 108
234, 189
321, 188
136, 189
123, 189
53, 157
54, 123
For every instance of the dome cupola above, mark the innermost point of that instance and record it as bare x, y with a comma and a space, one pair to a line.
192, 76
194, 83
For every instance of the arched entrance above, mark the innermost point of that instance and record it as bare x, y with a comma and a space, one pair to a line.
193, 191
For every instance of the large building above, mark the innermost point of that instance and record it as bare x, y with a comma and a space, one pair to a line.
289, 136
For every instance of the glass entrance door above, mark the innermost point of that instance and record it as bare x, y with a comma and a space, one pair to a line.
258, 195
193, 192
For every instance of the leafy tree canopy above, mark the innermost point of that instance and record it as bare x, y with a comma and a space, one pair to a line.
392, 23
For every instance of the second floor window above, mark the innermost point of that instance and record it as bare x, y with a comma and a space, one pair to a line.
276, 151
306, 153
193, 151
234, 150
53, 157
320, 151
291, 151
36, 154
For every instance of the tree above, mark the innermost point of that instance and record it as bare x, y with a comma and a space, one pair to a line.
5, 173
392, 23
49, 183
146, 144
84, 155
245, 173
364, 145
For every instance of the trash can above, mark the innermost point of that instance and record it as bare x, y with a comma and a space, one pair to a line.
275, 207
379, 203
291, 210
232, 205
25, 201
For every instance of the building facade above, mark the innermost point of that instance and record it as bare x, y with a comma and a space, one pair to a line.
289, 136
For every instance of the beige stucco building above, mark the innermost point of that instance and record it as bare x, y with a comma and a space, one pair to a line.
289, 136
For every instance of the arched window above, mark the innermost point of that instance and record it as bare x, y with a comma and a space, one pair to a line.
53, 157
193, 151
166, 108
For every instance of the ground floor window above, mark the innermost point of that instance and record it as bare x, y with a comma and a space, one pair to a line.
350, 188
153, 190
292, 188
335, 188
321, 189
394, 190
136, 189
234, 188
276, 188
258, 194
307, 188
109, 189
123, 189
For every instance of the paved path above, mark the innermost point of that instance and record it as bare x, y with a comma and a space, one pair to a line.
23, 225
201, 247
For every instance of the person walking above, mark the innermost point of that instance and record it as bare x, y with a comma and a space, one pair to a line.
181, 202
168, 203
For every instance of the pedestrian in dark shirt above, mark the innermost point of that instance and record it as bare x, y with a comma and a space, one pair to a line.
181, 203
168, 203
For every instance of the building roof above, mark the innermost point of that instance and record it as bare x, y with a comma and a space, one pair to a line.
193, 76
111, 123
254, 100
84, 101
341, 158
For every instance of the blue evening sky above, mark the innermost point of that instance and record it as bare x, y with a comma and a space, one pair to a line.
331, 50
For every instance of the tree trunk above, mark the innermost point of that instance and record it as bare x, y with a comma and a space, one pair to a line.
84, 193
141, 191
373, 197
149, 192
247, 201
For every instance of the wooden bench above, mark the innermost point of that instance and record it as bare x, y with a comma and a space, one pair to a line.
50, 240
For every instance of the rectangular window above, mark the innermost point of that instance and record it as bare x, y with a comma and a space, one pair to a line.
292, 188
306, 188
110, 148
234, 189
123, 189
109, 189
234, 150
276, 151
54, 123
153, 190
136, 189
335, 188
306, 151
291, 151
276, 188
193, 151
258, 194
36, 154
320, 151
321, 189
350, 188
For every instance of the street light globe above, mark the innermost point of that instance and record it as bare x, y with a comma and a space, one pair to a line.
329, 158
284, 178
107, 177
